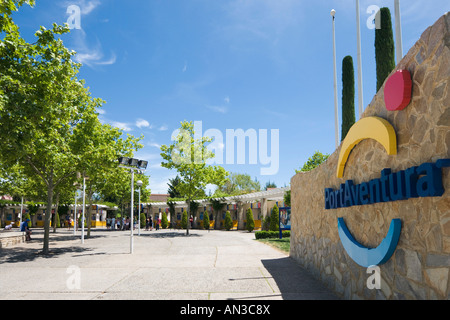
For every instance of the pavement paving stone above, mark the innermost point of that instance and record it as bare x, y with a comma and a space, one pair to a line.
165, 265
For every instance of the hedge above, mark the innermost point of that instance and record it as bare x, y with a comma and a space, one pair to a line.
271, 234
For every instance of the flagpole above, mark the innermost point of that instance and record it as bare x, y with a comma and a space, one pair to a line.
336, 115
360, 78
398, 32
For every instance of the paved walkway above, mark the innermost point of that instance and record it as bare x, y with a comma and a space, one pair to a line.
165, 265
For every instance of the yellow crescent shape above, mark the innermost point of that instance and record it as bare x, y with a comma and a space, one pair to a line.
367, 128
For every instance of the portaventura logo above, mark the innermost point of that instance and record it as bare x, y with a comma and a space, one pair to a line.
390, 186
418, 181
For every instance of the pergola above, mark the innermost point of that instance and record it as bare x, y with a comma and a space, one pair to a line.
275, 194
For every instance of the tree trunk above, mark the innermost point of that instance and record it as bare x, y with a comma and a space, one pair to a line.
47, 217
55, 219
188, 216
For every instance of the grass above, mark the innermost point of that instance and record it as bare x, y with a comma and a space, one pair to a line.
281, 244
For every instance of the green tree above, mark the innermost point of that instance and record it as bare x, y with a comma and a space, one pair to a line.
228, 222
313, 162
287, 198
239, 183
348, 96
172, 191
42, 102
384, 47
48, 118
275, 219
250, 225
270, 185
188, 155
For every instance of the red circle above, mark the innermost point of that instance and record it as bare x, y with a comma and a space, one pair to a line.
398, 90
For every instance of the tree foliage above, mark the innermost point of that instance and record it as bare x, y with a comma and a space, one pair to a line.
228, 221
50, 127
239, 183
250, 225
188, 155
384, 47
314, 161
206, 220
274, 219
348, 96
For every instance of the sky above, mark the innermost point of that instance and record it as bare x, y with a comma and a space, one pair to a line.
229, 64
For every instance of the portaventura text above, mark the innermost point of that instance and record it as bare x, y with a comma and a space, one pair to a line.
420, 181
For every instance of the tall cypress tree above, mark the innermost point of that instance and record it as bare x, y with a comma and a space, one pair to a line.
384, 47
348, 95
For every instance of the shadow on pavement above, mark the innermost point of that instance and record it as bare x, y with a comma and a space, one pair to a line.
20, 254
296, 283
175, 234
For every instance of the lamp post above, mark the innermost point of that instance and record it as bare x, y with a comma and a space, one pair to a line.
336, 116
139, 184
398, 32
75, 215
360, 78
132, 209
132, 165
84, 208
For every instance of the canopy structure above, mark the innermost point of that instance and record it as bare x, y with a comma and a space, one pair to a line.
272, 194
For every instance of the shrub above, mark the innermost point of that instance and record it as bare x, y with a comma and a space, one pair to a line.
206, 220
164, 221
271, 234
274, 219
266, 223
184, 221
228, 221
250, 221
143, 220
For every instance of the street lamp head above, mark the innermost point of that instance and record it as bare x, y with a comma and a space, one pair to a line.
133, 162
142, 164
333, 13
124, 160
139, 183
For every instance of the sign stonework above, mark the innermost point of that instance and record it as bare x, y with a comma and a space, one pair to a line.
382, 199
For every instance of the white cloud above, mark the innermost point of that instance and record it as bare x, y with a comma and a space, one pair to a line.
94, 57
86, 7
121, 125
219, 109
141, 123
163, 128
89, 6
227, 99
154, 144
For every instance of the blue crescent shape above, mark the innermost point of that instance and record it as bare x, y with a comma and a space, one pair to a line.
368, 257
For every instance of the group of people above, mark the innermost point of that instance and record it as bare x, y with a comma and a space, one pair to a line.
125, 224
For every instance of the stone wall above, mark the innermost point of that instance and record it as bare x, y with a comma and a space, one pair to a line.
419, 268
